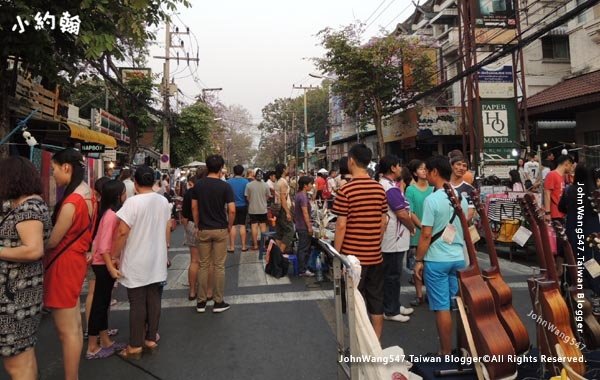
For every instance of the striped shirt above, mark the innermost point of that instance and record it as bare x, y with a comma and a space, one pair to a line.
363, 202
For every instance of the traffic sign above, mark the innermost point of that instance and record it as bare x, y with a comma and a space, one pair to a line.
164, 161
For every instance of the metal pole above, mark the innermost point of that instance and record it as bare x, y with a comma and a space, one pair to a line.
305, 133
166, 142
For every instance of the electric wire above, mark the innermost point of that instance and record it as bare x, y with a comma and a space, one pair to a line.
376, 9
379, 15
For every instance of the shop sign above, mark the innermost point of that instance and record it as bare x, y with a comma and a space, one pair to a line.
87, 148
499, 129
496, 82
109, 155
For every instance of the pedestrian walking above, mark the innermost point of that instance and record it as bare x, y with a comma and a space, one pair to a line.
396, 239
65, 259
439, 260
303, 224
140, 253
24, 226
257, 193
416, 194
210, 199
282, 206
125, 177
113, 195
361, 210
238, 184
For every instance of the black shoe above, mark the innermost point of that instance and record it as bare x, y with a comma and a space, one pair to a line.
220, 307
201, 307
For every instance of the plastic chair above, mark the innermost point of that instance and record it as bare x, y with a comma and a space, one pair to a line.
294, 260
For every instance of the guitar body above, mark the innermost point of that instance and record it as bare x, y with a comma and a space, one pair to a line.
589, 323
555, 312
505, 311
501, 292
489, 336
542, 342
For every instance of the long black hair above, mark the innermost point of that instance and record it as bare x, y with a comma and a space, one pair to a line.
74, 158
111, 199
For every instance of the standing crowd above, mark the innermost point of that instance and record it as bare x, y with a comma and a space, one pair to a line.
120, 231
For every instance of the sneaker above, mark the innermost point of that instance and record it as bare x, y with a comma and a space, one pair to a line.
307, 273
220, 307
396, 318
406, 310
201, 307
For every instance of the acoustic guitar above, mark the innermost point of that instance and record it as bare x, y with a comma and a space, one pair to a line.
489, 335
582, 318
555, 313
501, 292
532, 282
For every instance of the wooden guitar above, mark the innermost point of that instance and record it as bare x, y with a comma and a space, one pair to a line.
532, 282
554, 309
582, 318
489, 335
501, 292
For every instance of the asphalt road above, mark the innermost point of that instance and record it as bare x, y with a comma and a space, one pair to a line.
275, 329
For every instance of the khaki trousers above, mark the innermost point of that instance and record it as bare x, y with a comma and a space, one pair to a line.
212, 246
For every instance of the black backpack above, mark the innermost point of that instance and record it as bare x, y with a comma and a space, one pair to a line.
277, 265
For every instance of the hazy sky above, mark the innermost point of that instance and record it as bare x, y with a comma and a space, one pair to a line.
256, 50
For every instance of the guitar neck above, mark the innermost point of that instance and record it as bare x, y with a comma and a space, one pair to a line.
569, 255
487, 230
464, 224
535, 232
545, 236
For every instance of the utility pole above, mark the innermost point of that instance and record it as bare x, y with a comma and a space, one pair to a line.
166, 74
296, 139
305, 123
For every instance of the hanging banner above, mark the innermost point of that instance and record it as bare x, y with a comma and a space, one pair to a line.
310, 143
496, 82
499, 129
495, 14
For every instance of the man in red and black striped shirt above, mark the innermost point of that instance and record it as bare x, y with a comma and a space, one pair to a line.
361, 209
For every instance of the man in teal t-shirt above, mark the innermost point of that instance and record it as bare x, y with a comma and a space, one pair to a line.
439, 261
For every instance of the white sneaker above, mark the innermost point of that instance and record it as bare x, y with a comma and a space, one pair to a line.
307, 273
406, 310
396, 318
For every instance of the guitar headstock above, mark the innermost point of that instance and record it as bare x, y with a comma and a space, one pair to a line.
560, 230
452, 196
595, 200
594, 240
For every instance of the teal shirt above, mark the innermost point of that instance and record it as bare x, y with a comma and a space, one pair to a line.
416, 199
437, 212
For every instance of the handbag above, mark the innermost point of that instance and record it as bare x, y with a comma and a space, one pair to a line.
65, 247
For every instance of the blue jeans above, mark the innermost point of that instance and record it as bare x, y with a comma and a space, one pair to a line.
392, 269
304, 240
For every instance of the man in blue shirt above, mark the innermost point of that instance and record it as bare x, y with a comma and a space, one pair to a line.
440, 250
238, 183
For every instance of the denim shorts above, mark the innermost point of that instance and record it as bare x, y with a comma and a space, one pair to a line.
442, 282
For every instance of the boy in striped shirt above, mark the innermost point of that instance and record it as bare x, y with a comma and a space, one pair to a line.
361, 209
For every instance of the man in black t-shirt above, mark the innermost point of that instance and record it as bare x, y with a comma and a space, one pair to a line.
210, 197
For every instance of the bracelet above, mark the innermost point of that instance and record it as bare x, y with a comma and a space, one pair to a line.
547, 212
420, 261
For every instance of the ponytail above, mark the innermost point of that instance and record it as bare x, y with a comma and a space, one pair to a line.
74, 158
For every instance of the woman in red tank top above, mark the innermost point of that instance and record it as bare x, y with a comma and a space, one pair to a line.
65, 261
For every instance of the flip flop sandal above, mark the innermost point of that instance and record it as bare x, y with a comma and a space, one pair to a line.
102, 353
130, 355
112, 332
118, 346
245, 250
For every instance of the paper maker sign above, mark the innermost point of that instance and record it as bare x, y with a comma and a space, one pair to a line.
495, 120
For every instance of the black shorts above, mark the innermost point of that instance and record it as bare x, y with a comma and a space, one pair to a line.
371, 287
240, 216
257, 218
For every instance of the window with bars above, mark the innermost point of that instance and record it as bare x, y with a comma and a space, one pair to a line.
556, 47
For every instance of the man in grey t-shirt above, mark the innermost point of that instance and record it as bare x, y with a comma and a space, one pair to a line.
257, 193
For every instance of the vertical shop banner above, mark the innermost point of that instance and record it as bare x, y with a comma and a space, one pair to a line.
500, 126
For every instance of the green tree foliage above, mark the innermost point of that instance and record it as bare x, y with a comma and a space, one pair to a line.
370, 76
277, 117
108, 29
190, 134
